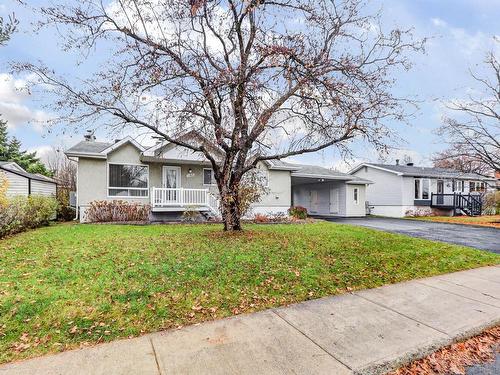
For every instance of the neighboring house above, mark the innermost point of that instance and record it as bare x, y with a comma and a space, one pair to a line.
407, 190
172, 179
24, 183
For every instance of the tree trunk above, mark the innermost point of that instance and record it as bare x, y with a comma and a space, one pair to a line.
231, 215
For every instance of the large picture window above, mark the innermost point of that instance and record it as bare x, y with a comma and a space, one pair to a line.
128, 181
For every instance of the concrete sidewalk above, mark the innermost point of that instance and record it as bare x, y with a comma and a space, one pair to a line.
367, 332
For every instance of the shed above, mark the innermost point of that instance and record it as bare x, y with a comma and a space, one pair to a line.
24, 183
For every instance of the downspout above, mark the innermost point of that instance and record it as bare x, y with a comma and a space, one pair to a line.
29, 186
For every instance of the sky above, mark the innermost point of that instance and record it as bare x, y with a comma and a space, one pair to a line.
460, 34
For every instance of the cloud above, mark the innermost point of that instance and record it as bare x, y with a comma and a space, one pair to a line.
14, 108
439, 22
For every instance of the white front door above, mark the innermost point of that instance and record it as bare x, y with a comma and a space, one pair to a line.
314, 201
334, 201
171, 180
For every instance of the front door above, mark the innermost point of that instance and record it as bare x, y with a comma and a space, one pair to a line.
334, 201
171, 180
314, 201
440, 191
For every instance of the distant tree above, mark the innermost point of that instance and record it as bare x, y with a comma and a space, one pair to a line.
473, 134
11, 150
463, 163
259, 80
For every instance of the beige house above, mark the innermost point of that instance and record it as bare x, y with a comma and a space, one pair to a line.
171, 179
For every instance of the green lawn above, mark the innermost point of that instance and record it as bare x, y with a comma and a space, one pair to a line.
71, 285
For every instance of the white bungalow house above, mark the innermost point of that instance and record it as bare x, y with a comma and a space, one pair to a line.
171, 179
408, 190
24, 183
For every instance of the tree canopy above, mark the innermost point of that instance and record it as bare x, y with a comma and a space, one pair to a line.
11, 150
260, 80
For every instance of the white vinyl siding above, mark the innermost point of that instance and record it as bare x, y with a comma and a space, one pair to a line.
43, 188
18, 185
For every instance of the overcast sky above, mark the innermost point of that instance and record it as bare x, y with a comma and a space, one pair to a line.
460, 32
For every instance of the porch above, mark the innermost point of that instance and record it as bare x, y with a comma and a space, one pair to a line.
180, 199
469, 204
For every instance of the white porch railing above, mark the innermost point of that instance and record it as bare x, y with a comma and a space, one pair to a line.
180, 197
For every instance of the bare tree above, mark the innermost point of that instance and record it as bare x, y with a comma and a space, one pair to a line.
259, 80
63, 169
7, 28
474, 134
462, 163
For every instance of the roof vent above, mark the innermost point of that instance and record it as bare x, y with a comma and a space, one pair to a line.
410, 164
89, 137
397, 161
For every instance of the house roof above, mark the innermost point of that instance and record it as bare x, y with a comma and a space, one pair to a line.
414, 171
9, 167
100, 149
88, 147
313, 171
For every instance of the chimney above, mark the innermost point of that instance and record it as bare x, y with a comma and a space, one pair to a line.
410, 164
89, 137
397, 161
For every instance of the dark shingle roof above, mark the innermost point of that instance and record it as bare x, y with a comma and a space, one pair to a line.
31, 176
411, 170
88, 147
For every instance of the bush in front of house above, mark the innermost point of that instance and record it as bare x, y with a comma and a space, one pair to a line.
22, 213
64, 212
117, 211
298, 212
491, 203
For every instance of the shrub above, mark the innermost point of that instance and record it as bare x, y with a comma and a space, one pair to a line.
117, 211
21, 213
64, 211
298, 212
191, 215
491, 203
261, 218
4, 185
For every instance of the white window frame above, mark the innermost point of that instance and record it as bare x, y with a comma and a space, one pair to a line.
421, 193
212, 179
126, 196
355, 193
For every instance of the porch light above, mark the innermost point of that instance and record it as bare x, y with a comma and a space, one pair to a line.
190, 170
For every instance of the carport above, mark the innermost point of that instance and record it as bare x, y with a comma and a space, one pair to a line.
325, 192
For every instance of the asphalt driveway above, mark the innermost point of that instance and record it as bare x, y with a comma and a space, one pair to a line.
478, 237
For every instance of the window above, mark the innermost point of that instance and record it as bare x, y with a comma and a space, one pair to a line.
425, 188
128, 180
417, 189
208, 177
472, 186
462, 186
356, 195
481, 186
454, 185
